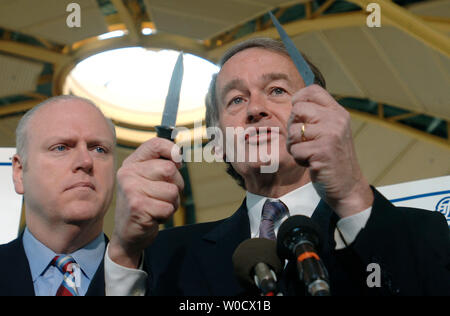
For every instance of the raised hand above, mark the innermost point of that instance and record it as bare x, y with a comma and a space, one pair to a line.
320, 138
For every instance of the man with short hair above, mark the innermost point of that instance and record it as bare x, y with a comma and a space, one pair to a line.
318, 176
65, 169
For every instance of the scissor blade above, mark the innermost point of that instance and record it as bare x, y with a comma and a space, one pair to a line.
173, 95
302, 66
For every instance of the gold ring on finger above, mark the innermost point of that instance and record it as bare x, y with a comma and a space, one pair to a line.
303, 132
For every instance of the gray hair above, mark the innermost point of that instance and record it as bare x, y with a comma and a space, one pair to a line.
21, 130
212, 104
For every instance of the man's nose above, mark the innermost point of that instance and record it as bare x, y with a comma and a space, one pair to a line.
257, 109
83, 160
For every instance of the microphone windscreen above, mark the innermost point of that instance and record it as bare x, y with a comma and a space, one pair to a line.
251, 252
294, 227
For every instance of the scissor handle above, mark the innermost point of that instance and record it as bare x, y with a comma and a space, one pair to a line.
165, 132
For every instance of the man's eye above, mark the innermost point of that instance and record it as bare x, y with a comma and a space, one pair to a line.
60, 148
100, 150
236, 100
278, 91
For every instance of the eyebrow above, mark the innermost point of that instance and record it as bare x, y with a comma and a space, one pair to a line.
275, 76
239, 84
69, 139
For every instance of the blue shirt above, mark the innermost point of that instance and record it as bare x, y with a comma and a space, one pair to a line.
47, 278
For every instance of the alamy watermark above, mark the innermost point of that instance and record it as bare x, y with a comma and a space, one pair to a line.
236, 144
374, 278
374, 18
74, 18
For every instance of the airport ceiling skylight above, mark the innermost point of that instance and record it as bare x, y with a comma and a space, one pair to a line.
130, 85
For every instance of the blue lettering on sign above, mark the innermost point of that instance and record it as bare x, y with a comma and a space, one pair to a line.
443, 207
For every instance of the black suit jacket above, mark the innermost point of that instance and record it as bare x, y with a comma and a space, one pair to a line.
15, 273
411, 246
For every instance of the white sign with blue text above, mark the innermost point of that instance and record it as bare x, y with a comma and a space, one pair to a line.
430, 194
11, 202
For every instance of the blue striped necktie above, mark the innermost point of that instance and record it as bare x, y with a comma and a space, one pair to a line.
272, 212
65, 264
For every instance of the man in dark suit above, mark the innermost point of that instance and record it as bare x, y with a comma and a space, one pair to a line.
64, 167
318, 176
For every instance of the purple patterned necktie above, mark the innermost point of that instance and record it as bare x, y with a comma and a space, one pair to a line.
272, 212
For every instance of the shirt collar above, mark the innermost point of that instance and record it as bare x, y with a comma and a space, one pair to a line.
39, 256
301, 201
90, 256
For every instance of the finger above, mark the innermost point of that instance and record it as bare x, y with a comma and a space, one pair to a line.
315, 94
159, 210
153, 149
307, 112
162, 191
305, 153
145, 199
303, 132
160, 170
300, 153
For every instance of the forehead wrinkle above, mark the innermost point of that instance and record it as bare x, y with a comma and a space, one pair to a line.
274, 76
66, 131
231, 85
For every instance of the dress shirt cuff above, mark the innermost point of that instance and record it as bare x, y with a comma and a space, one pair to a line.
122, 281
349, 227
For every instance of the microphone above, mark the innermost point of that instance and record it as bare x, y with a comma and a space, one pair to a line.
298, 239
256, 263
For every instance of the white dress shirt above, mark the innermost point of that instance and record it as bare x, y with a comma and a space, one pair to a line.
303, 201
122, 281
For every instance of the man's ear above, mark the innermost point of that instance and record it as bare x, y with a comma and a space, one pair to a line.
17, 165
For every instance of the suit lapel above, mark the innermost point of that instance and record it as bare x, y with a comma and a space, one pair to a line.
97, 285
216, 250
16, 274
326, 219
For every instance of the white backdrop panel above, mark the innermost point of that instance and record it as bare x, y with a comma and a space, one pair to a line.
11, 202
